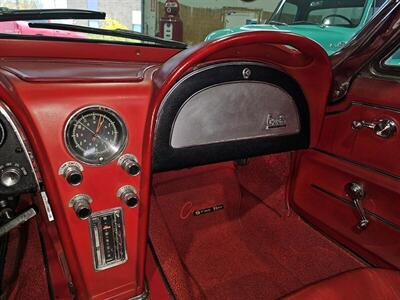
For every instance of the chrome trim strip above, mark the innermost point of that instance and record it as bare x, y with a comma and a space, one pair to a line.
142, 296
359, 164
377, 106
366, 104
17, 128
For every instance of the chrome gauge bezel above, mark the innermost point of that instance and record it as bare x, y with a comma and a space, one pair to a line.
2, 134
97, 109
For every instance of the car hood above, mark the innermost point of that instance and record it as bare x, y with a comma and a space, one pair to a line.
331, 38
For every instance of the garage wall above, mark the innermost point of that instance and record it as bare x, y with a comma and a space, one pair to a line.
268, 5
200, 17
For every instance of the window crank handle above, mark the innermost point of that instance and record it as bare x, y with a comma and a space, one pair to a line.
355, 191
363, 223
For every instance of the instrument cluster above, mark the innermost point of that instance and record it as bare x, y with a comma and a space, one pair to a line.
17, 174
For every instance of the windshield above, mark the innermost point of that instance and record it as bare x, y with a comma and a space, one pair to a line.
187, 21
346, 13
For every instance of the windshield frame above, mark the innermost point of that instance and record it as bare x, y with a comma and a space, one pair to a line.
281, 4
41, 19
10, 36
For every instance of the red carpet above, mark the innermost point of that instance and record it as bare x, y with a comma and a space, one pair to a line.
26, 280
248, 250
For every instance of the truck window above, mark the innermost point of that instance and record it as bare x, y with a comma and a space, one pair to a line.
288, 13
336, 16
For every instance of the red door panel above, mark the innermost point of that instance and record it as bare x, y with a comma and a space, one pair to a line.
346, 155
363, 145
320, 196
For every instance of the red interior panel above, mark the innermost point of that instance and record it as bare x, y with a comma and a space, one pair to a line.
17, 48
62, 70
319, 195
369, 99
346, 155
43, 109
43, 101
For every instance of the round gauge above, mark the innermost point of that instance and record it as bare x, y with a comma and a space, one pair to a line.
95, 135
2, 134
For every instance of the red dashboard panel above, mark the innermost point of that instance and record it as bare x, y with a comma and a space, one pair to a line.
43, 97
59, 70
18, 48
43, 109
44, 82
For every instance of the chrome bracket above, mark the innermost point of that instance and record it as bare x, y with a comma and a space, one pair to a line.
384, 128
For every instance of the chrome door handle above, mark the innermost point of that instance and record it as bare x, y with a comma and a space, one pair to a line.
355, 191
384, 128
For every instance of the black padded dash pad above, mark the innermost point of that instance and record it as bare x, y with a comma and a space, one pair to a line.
229, 111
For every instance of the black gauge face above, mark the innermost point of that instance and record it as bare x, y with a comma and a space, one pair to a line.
2, 134
95, 135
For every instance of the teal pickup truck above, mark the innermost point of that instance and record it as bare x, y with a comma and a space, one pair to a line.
331, 23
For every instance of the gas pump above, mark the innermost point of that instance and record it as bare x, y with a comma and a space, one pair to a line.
171, 26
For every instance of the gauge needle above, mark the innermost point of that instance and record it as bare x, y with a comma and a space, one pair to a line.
94, 133
98, 128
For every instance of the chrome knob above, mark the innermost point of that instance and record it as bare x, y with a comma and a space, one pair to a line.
81, 205
72, 172
355, 191
73, 175
385, 128
128, 195
129, 164
10, 176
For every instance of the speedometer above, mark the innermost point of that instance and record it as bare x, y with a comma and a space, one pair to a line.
95, 135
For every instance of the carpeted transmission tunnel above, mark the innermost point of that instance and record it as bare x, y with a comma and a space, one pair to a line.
217, 238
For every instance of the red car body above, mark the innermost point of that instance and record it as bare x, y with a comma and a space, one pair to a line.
22, 27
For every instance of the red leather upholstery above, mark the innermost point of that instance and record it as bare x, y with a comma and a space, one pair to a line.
359, 284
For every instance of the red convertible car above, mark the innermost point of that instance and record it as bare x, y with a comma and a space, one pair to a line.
249, 167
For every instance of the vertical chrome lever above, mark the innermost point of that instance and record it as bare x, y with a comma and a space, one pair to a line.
356, 193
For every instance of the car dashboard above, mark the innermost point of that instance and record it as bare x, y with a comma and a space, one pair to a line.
84, 131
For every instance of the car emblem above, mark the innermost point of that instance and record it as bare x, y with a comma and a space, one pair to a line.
275, 121
246, 73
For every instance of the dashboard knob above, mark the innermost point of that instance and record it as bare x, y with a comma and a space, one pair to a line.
72, 172
128, 195
81, 206
73, 175
10, 176
129, 164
